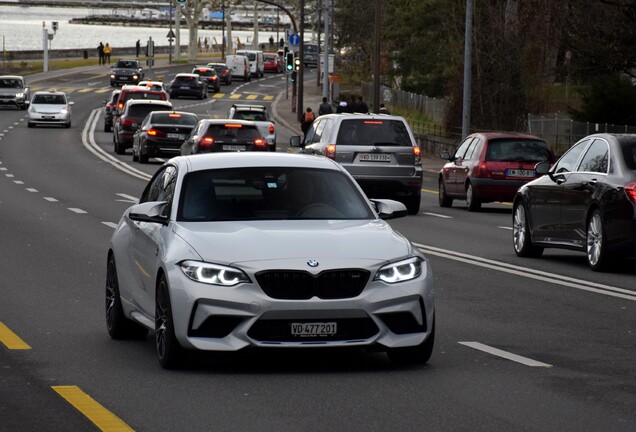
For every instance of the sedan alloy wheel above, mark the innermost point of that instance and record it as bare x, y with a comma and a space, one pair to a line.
596, 244
170, 353
119, 327
521, 234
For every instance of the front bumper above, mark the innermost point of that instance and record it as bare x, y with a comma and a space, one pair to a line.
49, 118
214, 318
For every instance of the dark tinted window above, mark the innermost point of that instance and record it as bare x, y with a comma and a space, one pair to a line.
204, 72
10, 83
628, 147
186, 80
596, 158
251, 115
126, 64
172, 118
503, 150
141, 111
373, 132
270, 193
567, 161
229, 132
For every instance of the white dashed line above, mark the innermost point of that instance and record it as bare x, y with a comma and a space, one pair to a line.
505, 227
110, 224
505, 354
50, 199
10, 175
31, 189
76, 210
20, 182
438, 215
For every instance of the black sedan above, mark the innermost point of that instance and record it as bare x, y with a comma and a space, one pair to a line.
585, 202
162, 133
224, 73
189, 85
224, 135
208, 76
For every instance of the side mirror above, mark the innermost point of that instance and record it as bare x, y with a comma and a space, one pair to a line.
445, 155
542, 168
151, 212
71, 103
389, 209
295, 141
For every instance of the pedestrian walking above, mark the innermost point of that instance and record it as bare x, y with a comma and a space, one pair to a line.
325, 107
138, 47
281, 43
107, 51
384, 110
307, 120
352, 106
362, 106
271, 41
342, 107
100, 53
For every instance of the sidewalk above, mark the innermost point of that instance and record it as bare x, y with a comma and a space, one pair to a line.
312, 97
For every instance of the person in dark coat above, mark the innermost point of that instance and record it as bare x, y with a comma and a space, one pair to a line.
342, 108
352, 106
100, 53
362, 106
325, 107
384, 110
307, 120
137, 47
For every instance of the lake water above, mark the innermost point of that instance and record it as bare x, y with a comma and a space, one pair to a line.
21, 29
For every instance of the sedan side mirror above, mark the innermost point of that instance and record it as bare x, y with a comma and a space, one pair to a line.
295, 141
152, 211
542, 168
445, 155
389, 209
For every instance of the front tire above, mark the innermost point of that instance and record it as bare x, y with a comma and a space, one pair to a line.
521, 240
598, 257
119, 327
170, 353
413, 204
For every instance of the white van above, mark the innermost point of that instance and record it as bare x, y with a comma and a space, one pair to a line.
257, 64
239, 66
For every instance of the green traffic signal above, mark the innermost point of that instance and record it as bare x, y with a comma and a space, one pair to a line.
289, 60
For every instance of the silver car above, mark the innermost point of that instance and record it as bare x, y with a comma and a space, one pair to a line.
232, 250
49, 108
380, 152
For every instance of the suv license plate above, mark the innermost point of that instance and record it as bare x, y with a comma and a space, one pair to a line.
234, 147
313, 329
375, 157
176, 136
520, 173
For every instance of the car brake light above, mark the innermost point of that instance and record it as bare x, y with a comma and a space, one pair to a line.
174, 115
206, 142
330, 151
271, 128
232, 125
630, 191
213, 78
417, 152
260, 142
127, 122
155, 132
375, 122
152, 132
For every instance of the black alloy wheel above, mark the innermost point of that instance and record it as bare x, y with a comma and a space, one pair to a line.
170, 353
119, 327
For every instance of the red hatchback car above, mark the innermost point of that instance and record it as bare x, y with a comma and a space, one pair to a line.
490, 167
273, 63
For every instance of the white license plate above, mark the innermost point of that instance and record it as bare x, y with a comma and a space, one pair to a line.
234, 147
375, 157
185, 87
520, 173
176, 136
313, 329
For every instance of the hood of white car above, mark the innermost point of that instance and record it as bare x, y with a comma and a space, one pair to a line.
332, 243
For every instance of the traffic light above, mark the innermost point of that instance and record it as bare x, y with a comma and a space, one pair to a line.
289, 61
297, 64
293, 77
54, 25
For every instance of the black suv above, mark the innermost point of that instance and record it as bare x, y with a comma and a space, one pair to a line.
185, 84
126, 72
224, 135
208, 76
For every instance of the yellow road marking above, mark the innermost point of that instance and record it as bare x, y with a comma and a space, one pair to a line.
430, 191
218, 95
105, 420
11, 340
235, 96
251, 97
85, 90
103, 90
268, 97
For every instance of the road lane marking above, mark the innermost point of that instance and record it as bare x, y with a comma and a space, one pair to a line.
505, 354
268, 98
505, 227
104, 419
110, 224
19, 182
251, 97
9, 175
235, 96
11, 340
437, 215
127, 198
218, 95
50, 199
32, 190
530, 273
77, 210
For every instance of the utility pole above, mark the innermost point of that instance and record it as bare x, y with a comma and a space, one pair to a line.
301, 50
327, 51
376, 60
468, 49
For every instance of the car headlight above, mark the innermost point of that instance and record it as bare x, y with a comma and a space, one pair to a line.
64, 111
213, 274
19, 95
400, 271
112, 76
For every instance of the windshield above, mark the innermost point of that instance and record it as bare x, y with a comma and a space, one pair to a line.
174, 119
370, 132
49, 99
126, 64
270, 193
142, 110
10, 83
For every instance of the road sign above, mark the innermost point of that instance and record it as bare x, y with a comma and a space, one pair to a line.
171, 35
294, 39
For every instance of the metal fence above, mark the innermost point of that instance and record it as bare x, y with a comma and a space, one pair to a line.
561, 131
431, 108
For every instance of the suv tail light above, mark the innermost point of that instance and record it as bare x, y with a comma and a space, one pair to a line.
260, 143
127, 122
417, 152
206, 142
630, 191
330, 151
271, 128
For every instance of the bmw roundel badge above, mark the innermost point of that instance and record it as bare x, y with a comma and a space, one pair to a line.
312, 263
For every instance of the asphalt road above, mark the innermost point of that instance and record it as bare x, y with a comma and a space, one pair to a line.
522, 344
